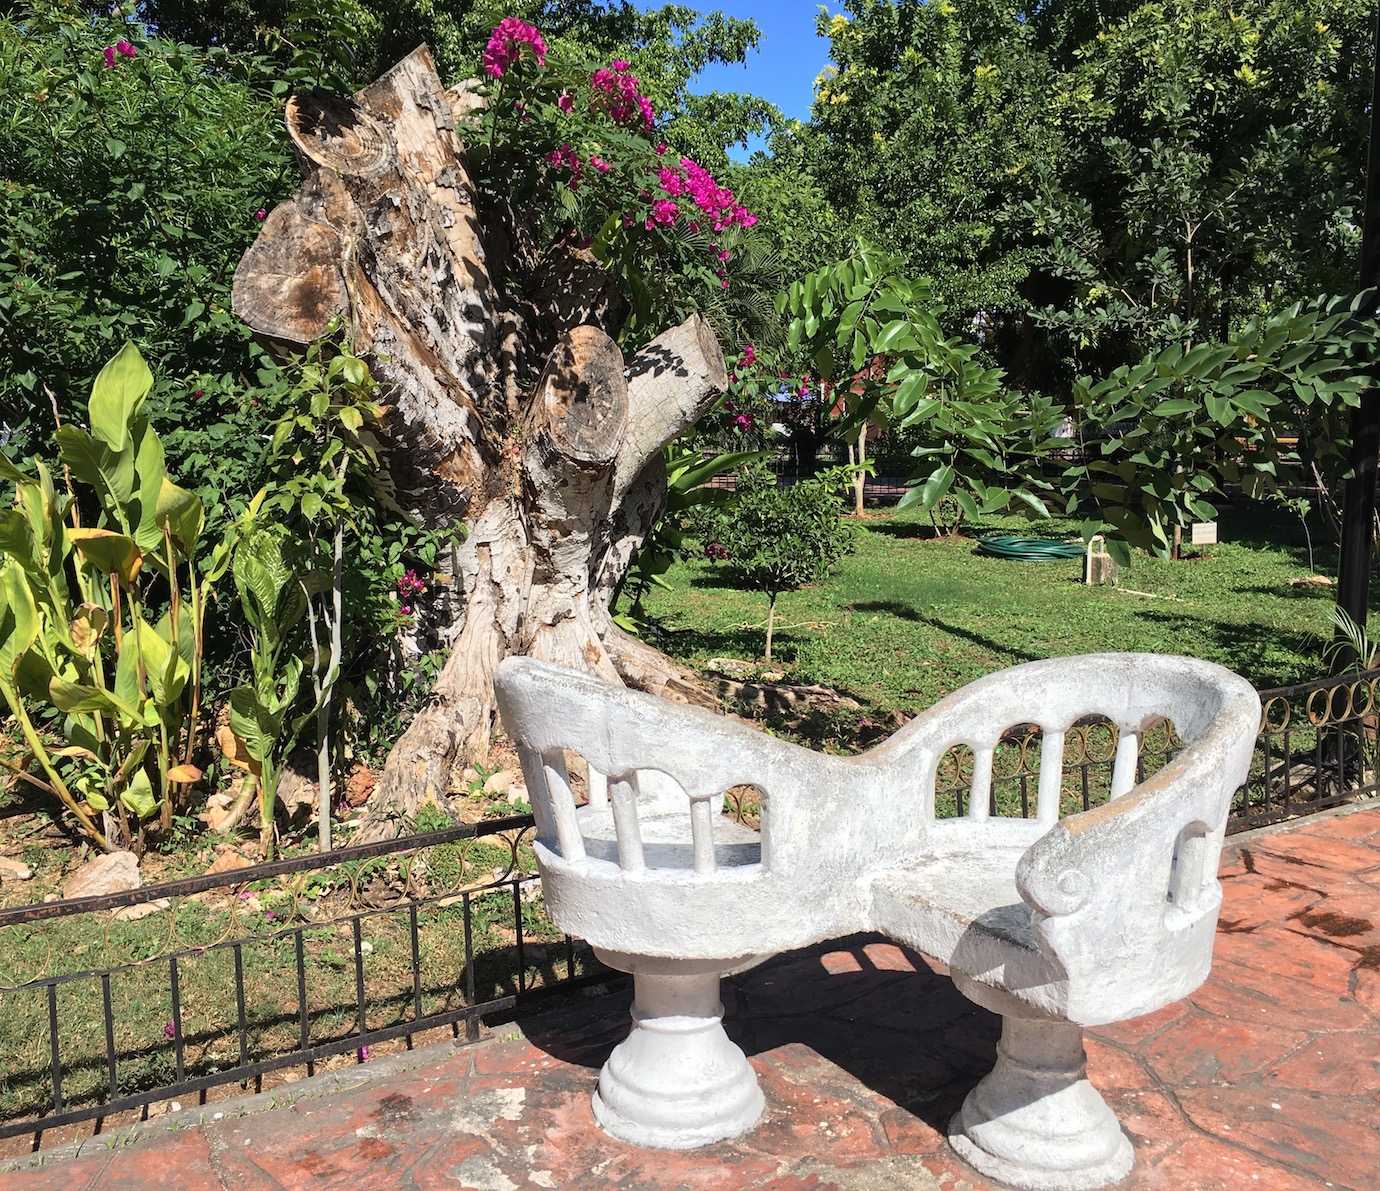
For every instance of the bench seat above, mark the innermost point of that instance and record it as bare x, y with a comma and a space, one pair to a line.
666, 842
940, 904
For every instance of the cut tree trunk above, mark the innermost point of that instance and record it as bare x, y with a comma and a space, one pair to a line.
513, 414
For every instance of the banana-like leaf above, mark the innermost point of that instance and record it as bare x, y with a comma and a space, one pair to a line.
255, 726
138, 795
109, 552
166, 670
110, 472
19, 623
151, 474
180, 511
116, 396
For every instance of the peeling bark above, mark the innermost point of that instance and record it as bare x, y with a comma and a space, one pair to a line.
557, 475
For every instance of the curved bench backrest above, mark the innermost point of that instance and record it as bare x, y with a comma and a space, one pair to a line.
647, 751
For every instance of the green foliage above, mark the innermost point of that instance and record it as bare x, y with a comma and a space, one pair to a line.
1088, 184
1161, 436
125, 702
273, 598
689, 475
980, 444
129, 194
779, 539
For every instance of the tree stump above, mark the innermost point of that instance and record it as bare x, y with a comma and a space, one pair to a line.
512, 410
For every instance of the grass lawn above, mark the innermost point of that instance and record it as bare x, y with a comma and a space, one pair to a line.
908, 618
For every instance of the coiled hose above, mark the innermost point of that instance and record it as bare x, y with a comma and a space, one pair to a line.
1029, 549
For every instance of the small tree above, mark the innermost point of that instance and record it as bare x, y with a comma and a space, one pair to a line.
780, 539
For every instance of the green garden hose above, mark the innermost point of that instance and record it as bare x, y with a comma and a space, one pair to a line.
1029, 549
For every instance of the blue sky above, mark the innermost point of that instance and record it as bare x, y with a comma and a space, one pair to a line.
784, 65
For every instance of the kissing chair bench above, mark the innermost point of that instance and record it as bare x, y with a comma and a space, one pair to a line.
1055, 924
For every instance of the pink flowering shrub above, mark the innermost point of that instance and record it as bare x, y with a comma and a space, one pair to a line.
617, 91
506, 44
578, 144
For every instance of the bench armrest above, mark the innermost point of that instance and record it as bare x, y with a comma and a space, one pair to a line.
1125, 895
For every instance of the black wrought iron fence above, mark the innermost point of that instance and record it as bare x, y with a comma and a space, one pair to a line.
278, 965
304, 960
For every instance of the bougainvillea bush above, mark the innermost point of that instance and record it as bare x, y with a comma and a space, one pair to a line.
573, 147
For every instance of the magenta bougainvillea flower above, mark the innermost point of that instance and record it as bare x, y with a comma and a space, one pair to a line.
261, 214
506, 44
565, 103
599, 163
621, 95
125, 50
109, 55
749, 356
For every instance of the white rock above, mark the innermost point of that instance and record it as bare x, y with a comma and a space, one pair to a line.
1054, 925
142, 910
110, 872
14, 870
499, 782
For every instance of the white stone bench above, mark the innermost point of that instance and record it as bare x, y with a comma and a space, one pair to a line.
1055, 924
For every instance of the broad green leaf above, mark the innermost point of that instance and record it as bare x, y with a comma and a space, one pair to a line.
109, 552
181, 512
1033, 501
163, 665
150, 473
936, 486
78, 697
110, 472
138, 795
117, 394
254, 726
19, 623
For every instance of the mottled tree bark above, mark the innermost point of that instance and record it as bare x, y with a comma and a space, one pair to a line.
512, 411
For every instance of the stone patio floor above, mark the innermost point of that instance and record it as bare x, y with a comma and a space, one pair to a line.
1268, 1077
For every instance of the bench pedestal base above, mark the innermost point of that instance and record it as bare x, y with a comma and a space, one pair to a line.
1035, 1121
677, 1081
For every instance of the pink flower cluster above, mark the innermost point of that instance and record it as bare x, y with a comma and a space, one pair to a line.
749, 356
566, 158
121, 48
506, 43
717, 202
410, 586
716, 552
622, 97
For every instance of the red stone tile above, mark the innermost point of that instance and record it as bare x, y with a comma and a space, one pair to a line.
1340, 1064
837, 963
1366, 986
1282, 952
1321, 851
1359, 826
1113, 1067
1201, 1048
888, 957
813, 1108
1241, 993
1258, 900
1152, 1122
1200, 1164
1137, 1029
1329, 1137
910, 1134
182, 1161
1348, 920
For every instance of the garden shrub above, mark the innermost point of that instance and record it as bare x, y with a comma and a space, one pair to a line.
779, 539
